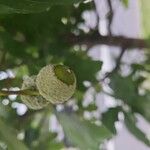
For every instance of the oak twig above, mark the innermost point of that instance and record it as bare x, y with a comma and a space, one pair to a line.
20, 92
110, 16
118, 61
119, 41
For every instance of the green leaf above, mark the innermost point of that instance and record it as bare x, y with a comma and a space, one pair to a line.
81, 133
84, 67
7, 134
142, 105
145, 9
123, 88
32, 6
127, 90
14, 47
110, 117
6, 10
130, 122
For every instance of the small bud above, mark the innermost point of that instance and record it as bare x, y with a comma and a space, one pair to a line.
33, 102
56, 83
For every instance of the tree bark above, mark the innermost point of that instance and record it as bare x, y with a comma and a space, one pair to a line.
119, 41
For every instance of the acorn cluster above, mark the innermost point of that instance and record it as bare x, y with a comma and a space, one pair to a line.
33, 102
55, 84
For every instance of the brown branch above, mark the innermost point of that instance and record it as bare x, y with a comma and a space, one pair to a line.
119, 41
97, 16
20, 92
110, 16
118, 61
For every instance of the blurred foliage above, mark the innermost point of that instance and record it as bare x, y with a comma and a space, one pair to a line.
83, 133
6, 134
110, 117
130, 122
145, 7
36, 33
29, 6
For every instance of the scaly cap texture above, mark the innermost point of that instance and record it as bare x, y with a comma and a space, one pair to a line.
33, 102
56, 83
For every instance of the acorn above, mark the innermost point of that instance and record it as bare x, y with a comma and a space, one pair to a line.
36, 101
56, 83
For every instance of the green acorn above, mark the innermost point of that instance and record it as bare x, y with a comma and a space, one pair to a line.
33, 102
56, 83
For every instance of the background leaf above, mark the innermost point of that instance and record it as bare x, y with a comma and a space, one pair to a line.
83, 134
110, 117
130, 122
145, 7
7, 134
29, 6
123, 88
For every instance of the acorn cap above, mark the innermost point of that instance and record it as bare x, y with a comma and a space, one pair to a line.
33, 102
56, 83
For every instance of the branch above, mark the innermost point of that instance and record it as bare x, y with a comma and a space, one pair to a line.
118, 61
20, 92
110, 16
120, 41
